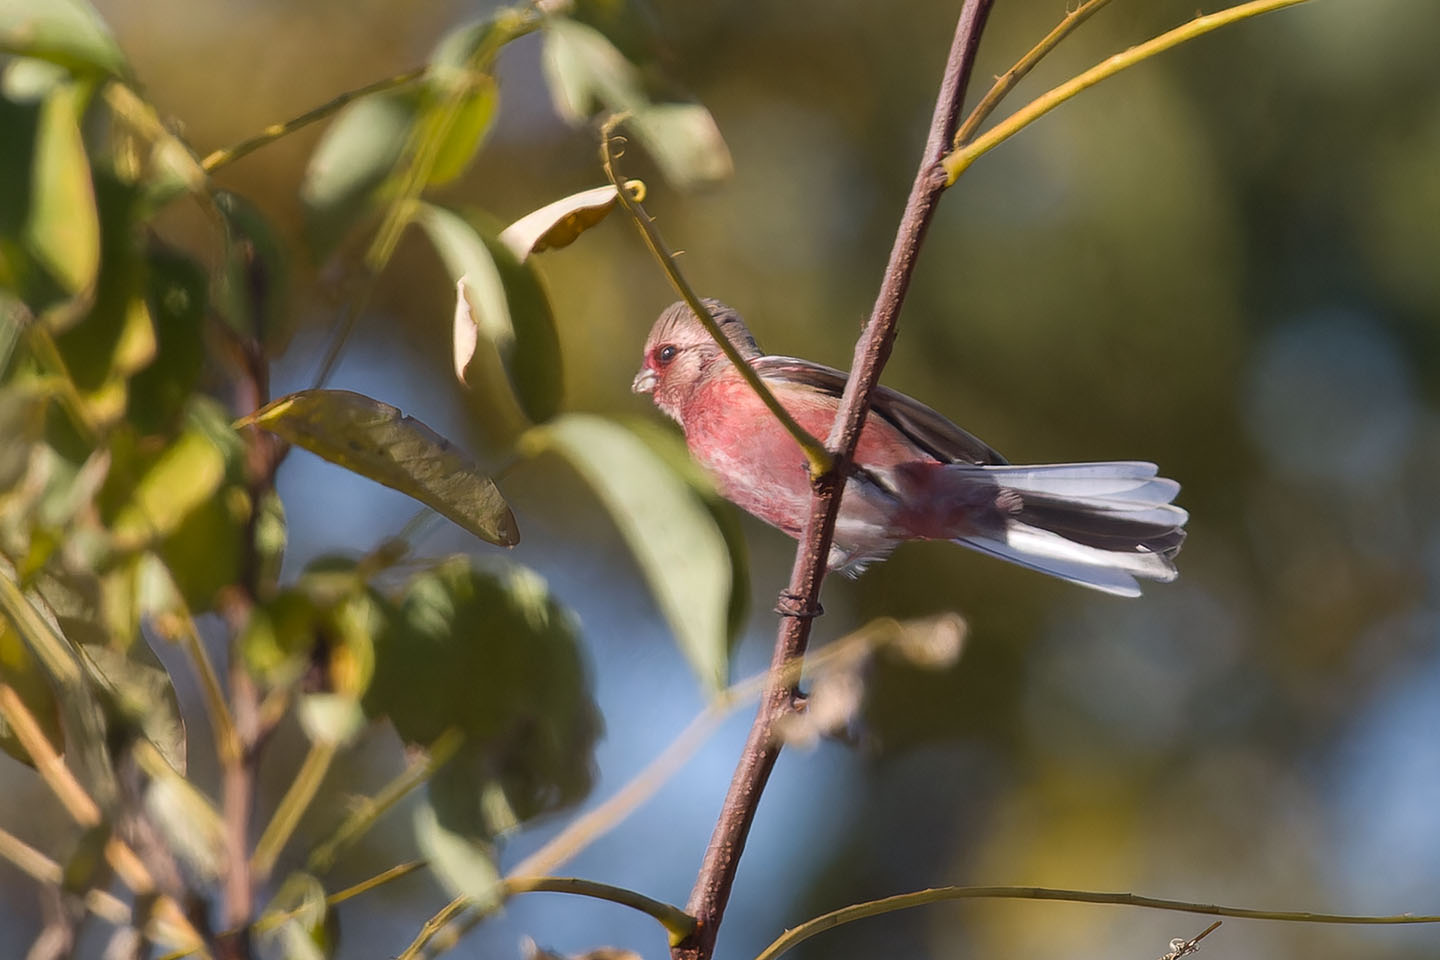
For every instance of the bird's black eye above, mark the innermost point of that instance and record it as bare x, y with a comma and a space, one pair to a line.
666, 353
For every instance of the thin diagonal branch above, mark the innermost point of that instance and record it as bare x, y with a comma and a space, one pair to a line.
815, 451
228, 155
722, 857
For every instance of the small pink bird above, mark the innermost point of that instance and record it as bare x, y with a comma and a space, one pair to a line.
916, 476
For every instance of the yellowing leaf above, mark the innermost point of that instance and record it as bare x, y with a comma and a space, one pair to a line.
183, 478
680, 549
471, 114
558, 224
375, 440
63, 228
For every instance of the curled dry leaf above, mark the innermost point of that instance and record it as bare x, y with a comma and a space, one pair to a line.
837, 681
558, 224
467, 331
932, 643
834, 701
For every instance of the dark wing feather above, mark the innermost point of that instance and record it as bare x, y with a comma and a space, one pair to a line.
928, 430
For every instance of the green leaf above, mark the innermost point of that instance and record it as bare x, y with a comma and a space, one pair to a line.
462, 97
181, 479
176, 299
496, 656
68, 32
64, 228
508, 306
681, 551
685, 142
465, 866
250, 288
354, 162
189, 823
469, 113
81, 717
138, 694
375, 440
328, 620
585, 72
205, 549
299, 920
670, 447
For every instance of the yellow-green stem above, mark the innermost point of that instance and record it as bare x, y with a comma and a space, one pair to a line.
363, 817
228, 155
959, 160
1007, 80
292, 807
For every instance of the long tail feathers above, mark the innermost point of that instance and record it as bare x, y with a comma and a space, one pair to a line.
1101, 525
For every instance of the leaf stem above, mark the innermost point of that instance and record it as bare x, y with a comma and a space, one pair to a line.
292, 807
228, 155
363, 817
958, 160
904, 901
819, 458
85, 812
180, 625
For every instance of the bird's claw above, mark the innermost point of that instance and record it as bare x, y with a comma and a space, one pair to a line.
794, 605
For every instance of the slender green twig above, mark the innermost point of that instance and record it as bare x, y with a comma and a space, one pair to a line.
228, 155
433, 926
292, 807
272, 920
677, 923
957, 161
905, 901
1007, 80
815, 452
363, 817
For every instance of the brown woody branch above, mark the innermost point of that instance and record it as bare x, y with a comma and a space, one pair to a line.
800, 602
238, 763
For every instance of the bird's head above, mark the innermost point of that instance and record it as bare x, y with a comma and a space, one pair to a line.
679, 352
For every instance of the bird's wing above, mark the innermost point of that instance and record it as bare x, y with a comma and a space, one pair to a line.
927, 429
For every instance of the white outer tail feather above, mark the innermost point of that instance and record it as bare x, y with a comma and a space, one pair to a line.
1126, 491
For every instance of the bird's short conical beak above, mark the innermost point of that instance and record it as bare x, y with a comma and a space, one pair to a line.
644, 381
